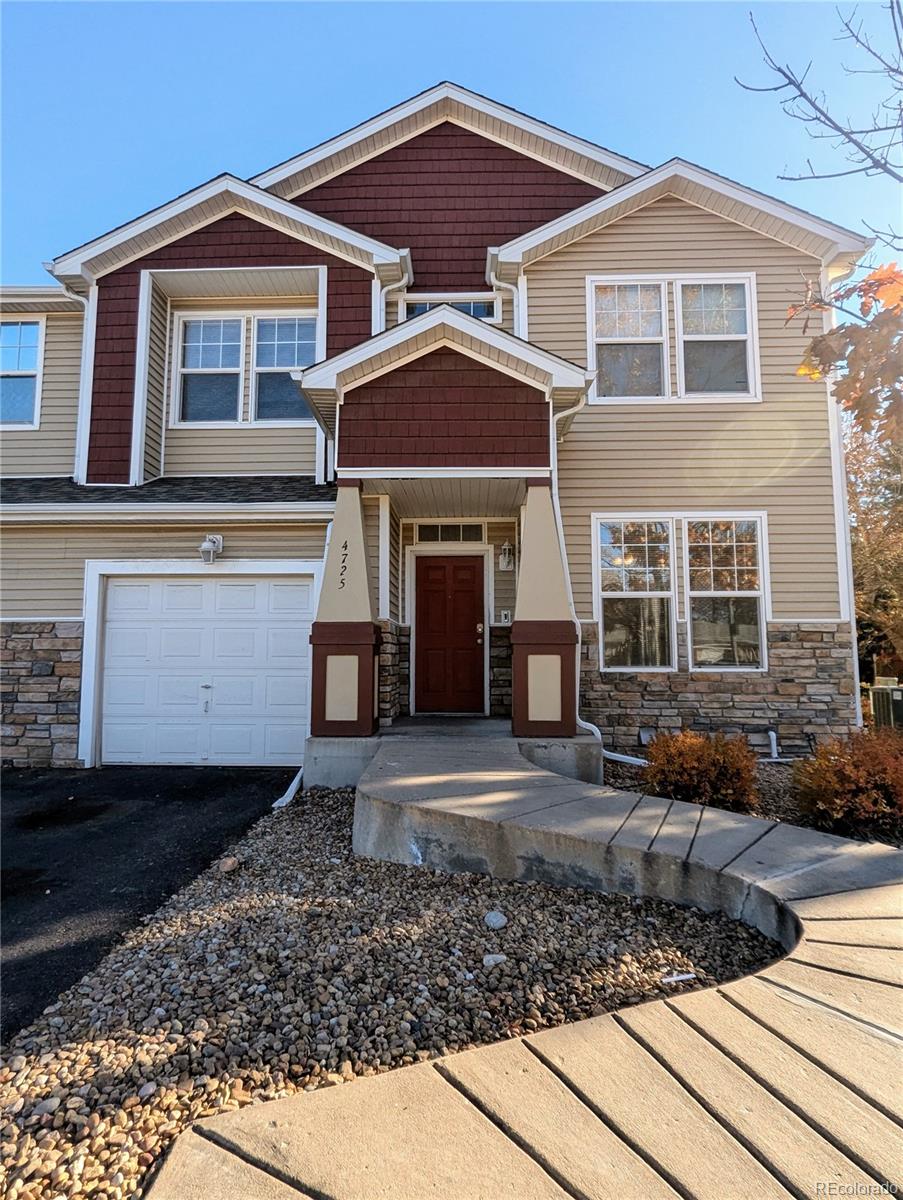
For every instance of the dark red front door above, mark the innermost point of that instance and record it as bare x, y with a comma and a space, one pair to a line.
448, 635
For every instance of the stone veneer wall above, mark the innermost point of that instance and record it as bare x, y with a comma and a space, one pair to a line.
500, 670
41, 677
806, 694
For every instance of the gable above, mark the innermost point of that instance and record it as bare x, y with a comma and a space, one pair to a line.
448, 194
444, 409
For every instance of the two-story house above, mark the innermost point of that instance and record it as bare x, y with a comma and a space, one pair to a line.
453, 413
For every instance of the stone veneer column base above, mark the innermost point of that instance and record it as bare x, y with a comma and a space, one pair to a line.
806, 695
41, 679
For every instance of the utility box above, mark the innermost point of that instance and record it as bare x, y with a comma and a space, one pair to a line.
887, 707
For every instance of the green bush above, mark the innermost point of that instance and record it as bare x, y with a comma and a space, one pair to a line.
703, 769
854, 784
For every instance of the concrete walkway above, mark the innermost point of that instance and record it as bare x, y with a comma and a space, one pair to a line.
786, 1083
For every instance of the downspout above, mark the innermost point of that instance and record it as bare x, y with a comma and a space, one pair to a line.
515, 310
393, 287
556, 507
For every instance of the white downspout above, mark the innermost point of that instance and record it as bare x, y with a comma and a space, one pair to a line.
515, 300
393, 287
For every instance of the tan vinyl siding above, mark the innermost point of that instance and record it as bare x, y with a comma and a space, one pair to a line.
772, 456
43, 566
245, 449
49, 450
156, 383
371, 541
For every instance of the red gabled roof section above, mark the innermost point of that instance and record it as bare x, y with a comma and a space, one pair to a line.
448, 194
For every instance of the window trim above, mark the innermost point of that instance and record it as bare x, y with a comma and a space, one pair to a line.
450, 298
596, 520
762, 593
594, 281
39, 319
276, 314
748, 280
247, 369
417, 522
671, 281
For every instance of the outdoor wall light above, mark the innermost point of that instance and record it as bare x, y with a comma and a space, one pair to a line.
211, 546
506, 558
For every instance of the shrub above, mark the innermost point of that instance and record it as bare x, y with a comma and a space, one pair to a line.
703, 770
854, 784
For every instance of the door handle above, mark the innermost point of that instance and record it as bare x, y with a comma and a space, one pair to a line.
479, 627
479, 641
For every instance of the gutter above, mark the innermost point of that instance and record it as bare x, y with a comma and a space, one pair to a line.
80, 512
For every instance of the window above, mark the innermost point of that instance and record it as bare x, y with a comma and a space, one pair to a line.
724, 575
282, 344
629, 325
636, 595
20, 346
713, 330
485, 308
451, 531
210, 369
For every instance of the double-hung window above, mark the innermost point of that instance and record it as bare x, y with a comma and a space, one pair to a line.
282, 344
724, 575
636, 594
20, 354
630, 329
210, 369
714, 342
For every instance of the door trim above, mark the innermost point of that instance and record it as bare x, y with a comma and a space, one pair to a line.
97, 572
444, 550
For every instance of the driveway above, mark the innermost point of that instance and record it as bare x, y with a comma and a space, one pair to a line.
85, 854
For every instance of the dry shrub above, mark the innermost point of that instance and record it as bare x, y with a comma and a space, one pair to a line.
701, 769
854, 784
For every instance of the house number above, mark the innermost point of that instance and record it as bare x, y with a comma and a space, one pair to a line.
344, 564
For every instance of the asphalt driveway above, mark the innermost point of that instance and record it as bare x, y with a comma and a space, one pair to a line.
85, 854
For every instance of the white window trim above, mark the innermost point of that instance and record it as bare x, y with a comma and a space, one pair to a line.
175, 393
751, 337
247, 373
594, 281
40, 320
675, 279
451, 298
441, 550
598, 519
762, 594
96, 573
277, 314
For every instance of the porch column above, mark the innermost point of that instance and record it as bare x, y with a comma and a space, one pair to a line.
543, 635
344, 636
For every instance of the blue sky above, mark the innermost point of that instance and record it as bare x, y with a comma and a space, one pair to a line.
112, 108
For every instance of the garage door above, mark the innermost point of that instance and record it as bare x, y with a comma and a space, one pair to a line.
207, 671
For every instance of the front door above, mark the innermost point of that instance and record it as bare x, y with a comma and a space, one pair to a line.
448, 634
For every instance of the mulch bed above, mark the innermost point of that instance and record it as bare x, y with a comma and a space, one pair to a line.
776, 802
304, 966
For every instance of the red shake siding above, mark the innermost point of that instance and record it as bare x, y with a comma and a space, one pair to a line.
233, 241
448, 194
444, 410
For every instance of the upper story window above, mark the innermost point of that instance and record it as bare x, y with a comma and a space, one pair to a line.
483, 306
713, 345
636, 594
280, 345
211, 370
235, 368
630, 339
20, 370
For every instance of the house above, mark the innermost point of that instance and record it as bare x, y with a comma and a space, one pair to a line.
448, 414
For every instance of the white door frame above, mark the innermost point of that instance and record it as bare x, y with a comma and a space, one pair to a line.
441, 550
97, 571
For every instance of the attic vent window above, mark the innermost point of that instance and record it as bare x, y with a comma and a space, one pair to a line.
483, 307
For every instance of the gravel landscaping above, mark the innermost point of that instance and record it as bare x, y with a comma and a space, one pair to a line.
292, 965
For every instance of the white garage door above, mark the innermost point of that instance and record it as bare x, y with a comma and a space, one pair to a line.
207, 671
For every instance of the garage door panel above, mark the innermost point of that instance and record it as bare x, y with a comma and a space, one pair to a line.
207, 670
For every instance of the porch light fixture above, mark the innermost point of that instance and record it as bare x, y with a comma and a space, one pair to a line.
211, 546
506, 558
